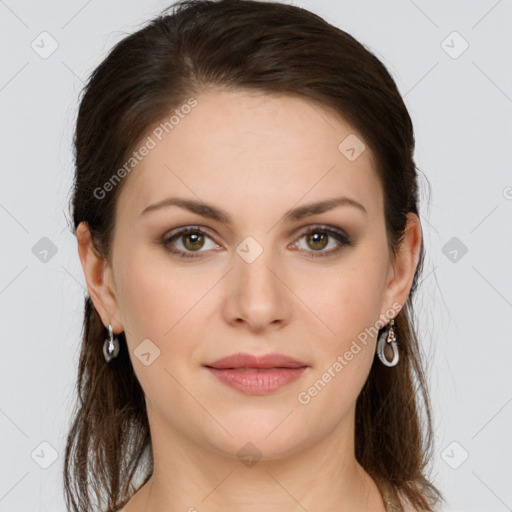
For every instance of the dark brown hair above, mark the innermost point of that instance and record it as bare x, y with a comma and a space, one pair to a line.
260, 46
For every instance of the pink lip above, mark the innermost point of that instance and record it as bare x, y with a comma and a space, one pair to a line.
257, 375
242, 360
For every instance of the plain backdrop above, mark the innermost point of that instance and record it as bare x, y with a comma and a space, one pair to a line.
452, 63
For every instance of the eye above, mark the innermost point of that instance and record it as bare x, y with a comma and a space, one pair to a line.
317, 237
192, 240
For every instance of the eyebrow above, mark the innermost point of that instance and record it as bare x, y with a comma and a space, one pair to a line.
212, 212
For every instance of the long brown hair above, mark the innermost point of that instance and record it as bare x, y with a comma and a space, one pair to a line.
252, 45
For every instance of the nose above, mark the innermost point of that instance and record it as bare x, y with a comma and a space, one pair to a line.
256, 293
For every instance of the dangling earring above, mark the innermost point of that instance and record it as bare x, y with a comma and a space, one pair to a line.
388, 337
110, 346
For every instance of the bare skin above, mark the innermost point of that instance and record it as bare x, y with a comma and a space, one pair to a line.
254, 156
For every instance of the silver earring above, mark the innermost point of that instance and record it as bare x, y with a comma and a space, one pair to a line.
110, 346
388, 337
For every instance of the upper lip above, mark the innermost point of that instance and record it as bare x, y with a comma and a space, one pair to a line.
242, 360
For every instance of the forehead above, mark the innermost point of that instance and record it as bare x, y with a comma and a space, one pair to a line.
245, 148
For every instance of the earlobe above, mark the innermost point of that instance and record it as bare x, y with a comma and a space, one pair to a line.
98, 276
406, 261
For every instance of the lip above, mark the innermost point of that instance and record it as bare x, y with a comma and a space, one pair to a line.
243, 360
257, 375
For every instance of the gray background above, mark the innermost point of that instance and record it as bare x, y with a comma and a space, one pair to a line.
461, 105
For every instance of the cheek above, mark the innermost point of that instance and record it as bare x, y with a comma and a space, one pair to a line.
351, 309
154, 295
161, 304
345, 353
166, 304
353, 300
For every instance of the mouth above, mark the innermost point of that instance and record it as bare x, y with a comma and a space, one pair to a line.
257, 375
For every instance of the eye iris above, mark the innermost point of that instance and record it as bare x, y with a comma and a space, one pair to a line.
316, 237
195, 237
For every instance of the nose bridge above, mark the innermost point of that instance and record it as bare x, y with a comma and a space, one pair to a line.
258, 292
255, 258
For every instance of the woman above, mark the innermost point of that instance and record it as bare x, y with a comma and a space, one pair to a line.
246, 210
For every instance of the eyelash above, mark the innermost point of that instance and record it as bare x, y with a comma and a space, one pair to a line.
343, 239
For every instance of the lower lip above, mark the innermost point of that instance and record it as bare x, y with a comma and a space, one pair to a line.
252, 382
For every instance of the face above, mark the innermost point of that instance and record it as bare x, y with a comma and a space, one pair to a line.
257, 279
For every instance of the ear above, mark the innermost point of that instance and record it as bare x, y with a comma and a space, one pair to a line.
98, 276
406, 260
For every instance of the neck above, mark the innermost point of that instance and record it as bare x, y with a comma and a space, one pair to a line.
189, 477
